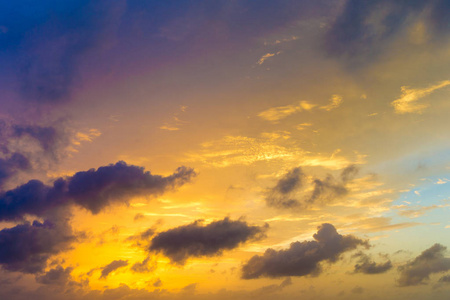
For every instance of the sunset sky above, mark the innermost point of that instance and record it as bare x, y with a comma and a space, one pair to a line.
224, 149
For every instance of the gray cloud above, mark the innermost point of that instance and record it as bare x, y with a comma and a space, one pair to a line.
196, 240
302, 258
111, 267
289, 192
27, 247
11, 165
56, 276
430, 261
93, 190
364, 28
366, 266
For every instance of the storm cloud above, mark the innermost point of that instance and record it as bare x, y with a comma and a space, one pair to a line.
430, 261
302, 258
290, 190
197, 240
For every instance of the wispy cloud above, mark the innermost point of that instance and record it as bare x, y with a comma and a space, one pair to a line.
407, 103
175, 123
275, 114
335, 101
267, 56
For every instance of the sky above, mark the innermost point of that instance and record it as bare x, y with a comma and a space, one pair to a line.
224, 149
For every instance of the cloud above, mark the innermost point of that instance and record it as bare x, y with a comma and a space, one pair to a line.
93, 190
430, 261
49, 58
302, 258
147, 265
243, 150
407, 101
364, 29
366, 266
11, 165
276, 114
290, 191
26, 247
335, 101
111, 267
197, 240
48, 137
55, 276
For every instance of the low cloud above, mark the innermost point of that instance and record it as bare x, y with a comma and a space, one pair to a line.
430, 261
291, 190
27, 247
302, 258
56, 276
197, 240
93, 190
111, 267
365, 265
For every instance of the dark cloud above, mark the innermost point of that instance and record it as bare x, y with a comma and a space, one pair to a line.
445, 279
93, 190
50, 43
147, 265
11, 165
364, 28
111, 267
366, 266
56, 276
47, 136
302, 258
196, 240
290, 192
430, 261
26, 247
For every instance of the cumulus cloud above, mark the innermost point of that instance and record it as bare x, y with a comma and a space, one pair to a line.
56, 276
111, 267
93, 190
366, 266
407, 103
26, 247
430, 261
290, 190
197, 240
302, 258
